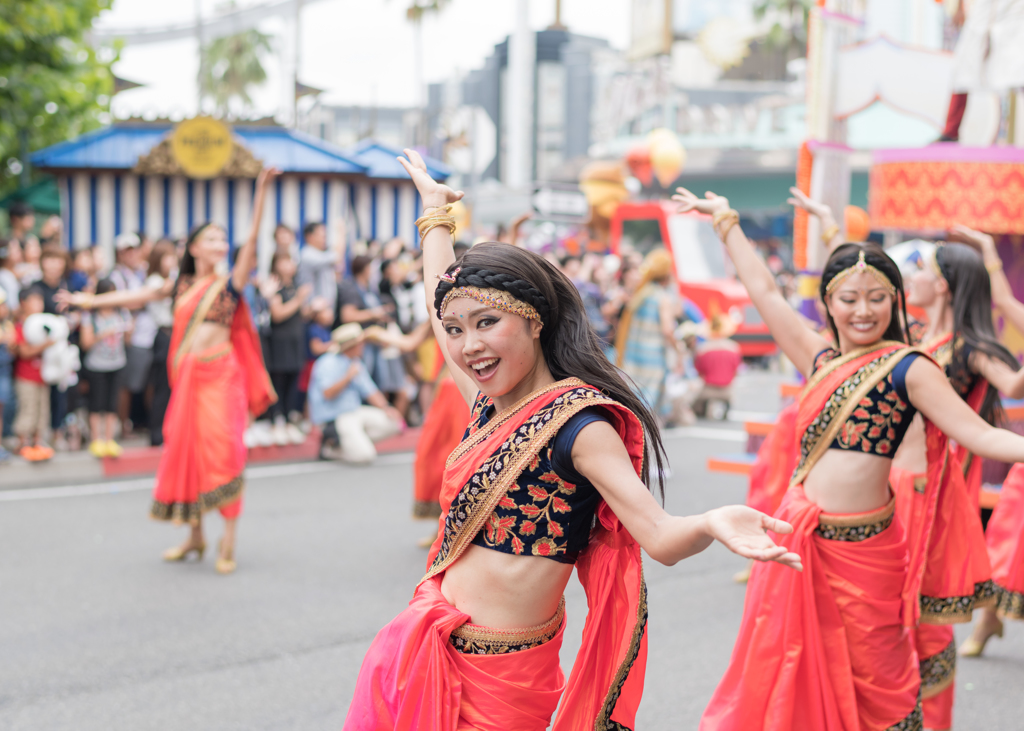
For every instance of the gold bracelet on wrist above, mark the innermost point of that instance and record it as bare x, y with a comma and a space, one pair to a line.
994, 266
723, 221
830, 233
428, 225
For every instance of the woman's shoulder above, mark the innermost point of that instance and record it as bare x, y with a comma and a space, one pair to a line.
826, 355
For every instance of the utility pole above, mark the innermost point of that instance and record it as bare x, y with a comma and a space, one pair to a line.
522, 58
202, 63
557, 25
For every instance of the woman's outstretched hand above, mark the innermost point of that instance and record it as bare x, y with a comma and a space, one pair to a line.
432, 193
709, 204
804, 201
744, 531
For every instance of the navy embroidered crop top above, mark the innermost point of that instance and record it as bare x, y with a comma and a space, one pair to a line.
222, 311
880, 421
549, 512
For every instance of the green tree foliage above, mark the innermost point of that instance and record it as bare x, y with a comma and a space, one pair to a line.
231, 68
789, 29
53, 85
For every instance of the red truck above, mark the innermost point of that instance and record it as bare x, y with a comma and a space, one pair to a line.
703, 270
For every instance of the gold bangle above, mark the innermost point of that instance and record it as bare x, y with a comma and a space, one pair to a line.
994, 266
830, 233
723, 221
430, 224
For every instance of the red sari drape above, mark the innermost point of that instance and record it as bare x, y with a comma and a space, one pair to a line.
831, 648
1006, 545
413, 678
442, 431
776, 460
212, 393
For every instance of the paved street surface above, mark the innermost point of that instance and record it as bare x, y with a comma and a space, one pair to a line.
98, 633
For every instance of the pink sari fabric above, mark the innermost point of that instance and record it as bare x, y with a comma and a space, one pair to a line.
824, 649
413, 678
1006, 545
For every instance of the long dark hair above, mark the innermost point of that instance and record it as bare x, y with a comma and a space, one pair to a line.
847, 255
569, 343
971, 292
188, 262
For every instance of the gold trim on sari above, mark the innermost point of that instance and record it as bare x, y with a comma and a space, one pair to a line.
491, 481
198, 315
844, 400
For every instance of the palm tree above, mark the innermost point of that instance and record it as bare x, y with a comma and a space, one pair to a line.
231, 67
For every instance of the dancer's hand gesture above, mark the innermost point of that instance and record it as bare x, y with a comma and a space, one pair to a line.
709, 204
744, 531
433, 193
804, 201
978, 240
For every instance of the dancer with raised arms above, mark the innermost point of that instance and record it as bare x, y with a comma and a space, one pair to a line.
832, 648
217, 378
550, 476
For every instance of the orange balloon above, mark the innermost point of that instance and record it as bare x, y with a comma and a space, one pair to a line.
638, 158
858, 223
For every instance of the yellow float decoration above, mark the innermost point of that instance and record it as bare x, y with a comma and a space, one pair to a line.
202, 146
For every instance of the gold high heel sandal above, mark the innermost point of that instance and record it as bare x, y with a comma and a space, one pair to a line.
225, 564
972, 648
180, 553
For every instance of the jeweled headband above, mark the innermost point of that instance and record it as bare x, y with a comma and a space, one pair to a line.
499, 299
861, 267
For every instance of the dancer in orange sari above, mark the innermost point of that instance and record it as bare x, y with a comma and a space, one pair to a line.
1005, 533
549, 476
831, 649
442, 431
217, 379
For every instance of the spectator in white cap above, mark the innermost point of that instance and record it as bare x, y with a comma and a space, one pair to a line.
338, 387
129, 275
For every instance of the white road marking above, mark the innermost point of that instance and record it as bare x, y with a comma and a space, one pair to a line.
703, 432
742, 416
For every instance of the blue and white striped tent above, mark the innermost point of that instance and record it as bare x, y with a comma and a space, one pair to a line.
101, 196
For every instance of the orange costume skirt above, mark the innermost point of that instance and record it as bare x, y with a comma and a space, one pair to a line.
204, 454
1005, 538
442, 431
776, 459
825, 649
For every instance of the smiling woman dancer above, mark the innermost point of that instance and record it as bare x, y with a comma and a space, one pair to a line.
549, 476
217, 378
831, 648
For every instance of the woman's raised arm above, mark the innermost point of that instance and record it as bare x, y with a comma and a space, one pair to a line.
799, 343
831, 234
246, 260
1002, 294
438, 255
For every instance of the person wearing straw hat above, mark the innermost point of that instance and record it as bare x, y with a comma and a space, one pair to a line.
717, 359
338, 387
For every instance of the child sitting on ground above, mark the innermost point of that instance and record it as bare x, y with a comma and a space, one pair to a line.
102, 336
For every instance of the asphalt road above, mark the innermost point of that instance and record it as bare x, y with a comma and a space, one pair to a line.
97, 633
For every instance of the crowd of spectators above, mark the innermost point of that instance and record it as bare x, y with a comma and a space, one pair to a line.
346, 338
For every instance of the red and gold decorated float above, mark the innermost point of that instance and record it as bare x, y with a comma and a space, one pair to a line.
936, 187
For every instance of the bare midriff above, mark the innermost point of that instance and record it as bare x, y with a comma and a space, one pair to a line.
209, 335
504, 591
849, 482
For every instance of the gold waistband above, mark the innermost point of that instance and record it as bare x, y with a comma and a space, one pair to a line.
855, 526
215, 352
475, 639
854, 520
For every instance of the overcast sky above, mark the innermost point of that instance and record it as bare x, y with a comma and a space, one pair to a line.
359, 51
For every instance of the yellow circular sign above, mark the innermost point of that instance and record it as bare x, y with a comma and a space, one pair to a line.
202, 146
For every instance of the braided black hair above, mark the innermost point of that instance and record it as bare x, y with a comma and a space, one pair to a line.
847, 255
568, 342
470, 276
